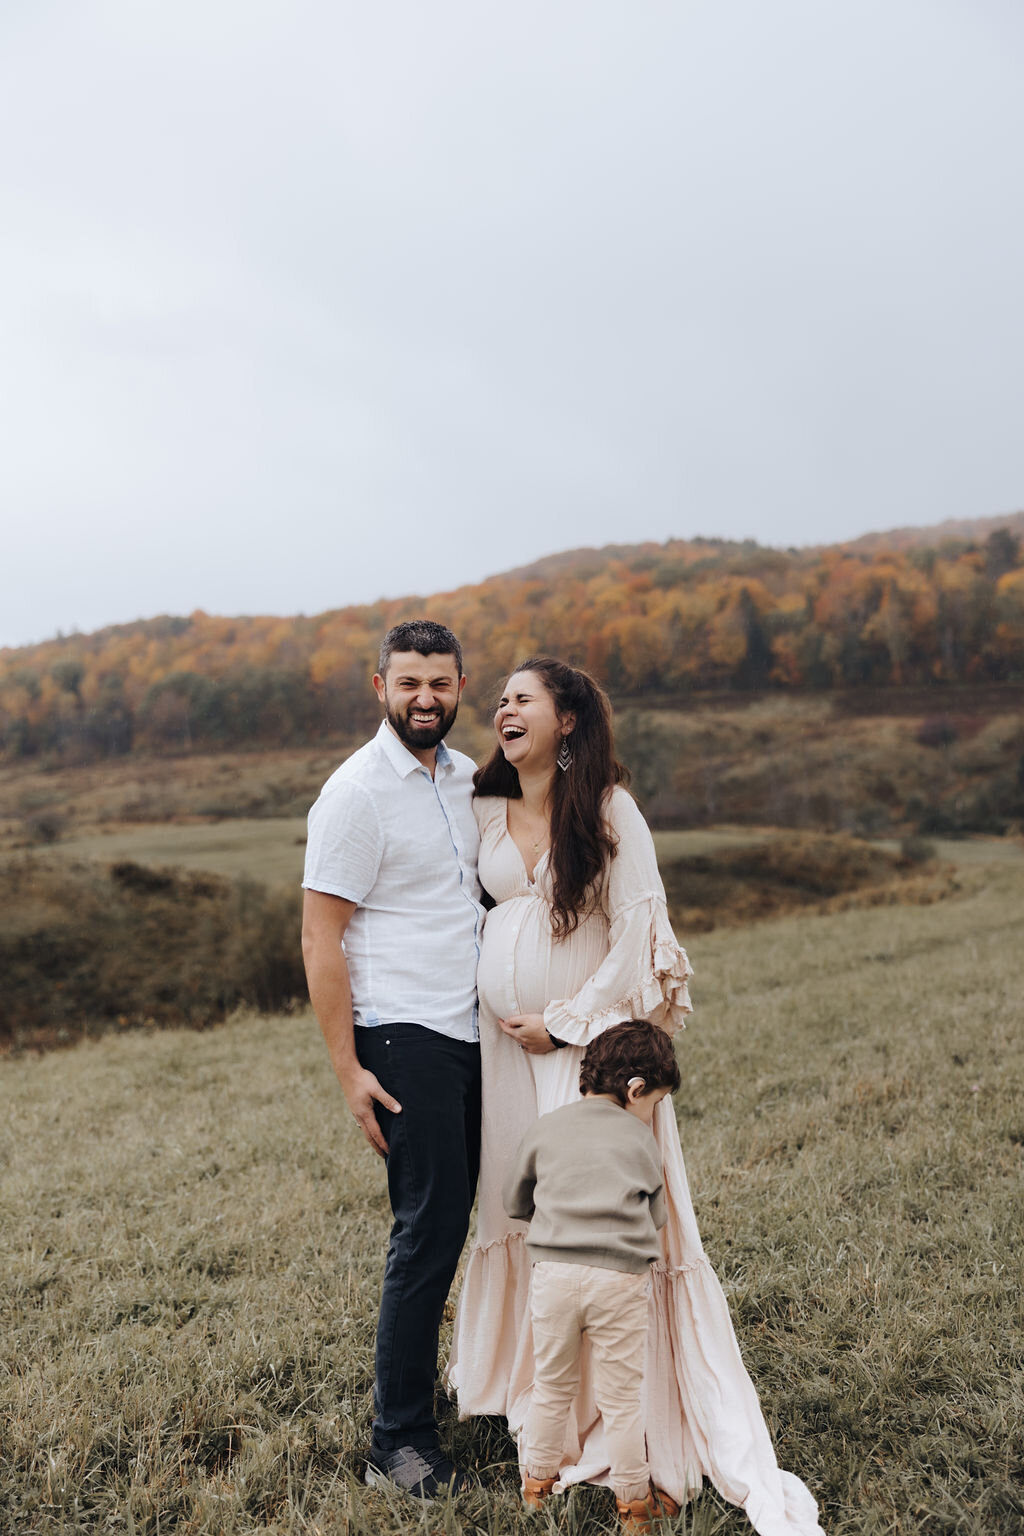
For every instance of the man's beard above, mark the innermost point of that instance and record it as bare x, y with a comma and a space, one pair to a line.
421, 738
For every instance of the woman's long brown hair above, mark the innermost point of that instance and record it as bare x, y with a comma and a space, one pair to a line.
581, 841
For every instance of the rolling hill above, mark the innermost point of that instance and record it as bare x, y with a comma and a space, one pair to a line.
687, 619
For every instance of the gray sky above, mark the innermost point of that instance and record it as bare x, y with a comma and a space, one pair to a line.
307, 303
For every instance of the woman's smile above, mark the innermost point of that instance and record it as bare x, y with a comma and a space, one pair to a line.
527, 722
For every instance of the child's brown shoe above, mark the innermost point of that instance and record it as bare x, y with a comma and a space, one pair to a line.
536, 1490
637, 1514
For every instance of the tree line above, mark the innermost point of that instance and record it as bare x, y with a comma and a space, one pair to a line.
685, 617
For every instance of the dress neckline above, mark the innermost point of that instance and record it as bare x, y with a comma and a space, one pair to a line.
531, 879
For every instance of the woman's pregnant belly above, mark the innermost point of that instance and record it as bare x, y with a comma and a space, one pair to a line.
523, 968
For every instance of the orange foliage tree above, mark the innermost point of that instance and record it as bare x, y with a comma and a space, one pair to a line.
647, 619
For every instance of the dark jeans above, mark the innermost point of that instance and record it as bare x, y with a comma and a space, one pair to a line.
433, 1158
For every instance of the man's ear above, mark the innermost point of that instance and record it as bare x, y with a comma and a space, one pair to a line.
462, 684
378, 683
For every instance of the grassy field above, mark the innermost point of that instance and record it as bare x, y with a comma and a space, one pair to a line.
271, 849
268, 849
911, 762
192, 1237
184, 923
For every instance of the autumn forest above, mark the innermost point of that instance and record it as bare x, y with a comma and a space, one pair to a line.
650, 621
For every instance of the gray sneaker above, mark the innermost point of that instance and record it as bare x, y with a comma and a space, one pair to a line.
423, 1472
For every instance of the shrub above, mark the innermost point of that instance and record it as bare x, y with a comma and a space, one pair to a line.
45, 826
986, 810
84, 947
917, 850
936, 731
786, 873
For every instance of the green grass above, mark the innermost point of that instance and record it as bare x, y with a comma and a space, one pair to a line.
192, 1237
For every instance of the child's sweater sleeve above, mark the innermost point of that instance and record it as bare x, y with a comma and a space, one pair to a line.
517, 1194
659, 1210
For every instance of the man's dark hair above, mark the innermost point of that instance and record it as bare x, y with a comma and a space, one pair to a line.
634, 1049
422, 636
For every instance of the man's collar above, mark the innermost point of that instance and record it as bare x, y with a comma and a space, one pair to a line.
405, 762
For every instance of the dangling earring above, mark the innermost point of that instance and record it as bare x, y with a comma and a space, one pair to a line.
564, 758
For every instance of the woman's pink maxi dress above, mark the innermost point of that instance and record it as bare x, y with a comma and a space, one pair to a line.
622, 962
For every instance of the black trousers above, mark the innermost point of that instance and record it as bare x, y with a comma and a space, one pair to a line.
432, 1164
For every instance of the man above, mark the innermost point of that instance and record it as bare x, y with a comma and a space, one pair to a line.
391, 871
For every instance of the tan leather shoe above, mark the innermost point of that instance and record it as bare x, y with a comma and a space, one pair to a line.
536, 1490
637, 1514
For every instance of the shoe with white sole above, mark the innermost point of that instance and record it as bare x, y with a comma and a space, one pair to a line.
422, 1471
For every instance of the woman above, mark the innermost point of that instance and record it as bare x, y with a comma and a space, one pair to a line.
579, 939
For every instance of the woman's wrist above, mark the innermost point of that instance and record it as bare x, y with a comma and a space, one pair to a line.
559, 1045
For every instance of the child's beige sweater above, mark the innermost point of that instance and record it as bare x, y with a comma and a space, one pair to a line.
587, 1177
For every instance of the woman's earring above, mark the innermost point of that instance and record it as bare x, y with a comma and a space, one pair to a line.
564, 758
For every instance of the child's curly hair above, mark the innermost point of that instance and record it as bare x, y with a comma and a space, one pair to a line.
634, 1049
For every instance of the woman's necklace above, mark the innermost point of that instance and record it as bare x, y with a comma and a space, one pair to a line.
538, 842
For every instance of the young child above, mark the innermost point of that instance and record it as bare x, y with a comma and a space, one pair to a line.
587, 1177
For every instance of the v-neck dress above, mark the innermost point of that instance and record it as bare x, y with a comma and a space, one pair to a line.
703, 1417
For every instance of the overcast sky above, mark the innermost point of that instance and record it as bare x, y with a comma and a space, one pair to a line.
303, 304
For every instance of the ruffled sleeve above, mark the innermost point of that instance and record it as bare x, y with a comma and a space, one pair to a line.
644, 974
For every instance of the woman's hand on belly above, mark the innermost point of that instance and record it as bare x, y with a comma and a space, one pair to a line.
528, 1032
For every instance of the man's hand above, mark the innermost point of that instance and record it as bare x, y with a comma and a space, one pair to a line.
528, 1031
324, 921
362, 1091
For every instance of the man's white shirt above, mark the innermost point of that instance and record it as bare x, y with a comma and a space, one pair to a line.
403, 846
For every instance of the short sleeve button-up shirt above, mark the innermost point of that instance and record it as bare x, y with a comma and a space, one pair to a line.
403, 846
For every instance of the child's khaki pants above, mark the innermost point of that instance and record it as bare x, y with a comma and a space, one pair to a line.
566, 1301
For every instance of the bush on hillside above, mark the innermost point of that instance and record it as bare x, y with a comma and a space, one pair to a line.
992, 809
916, 849
792, 872
84, 947
936, 731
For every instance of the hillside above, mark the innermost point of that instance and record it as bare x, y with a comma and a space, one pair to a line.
687, 618
935, 535
587, 561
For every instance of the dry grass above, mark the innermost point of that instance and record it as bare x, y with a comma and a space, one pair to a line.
192, 1238
122, 794
804, 762
269, 849
140, 790
87, 945
797, 761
